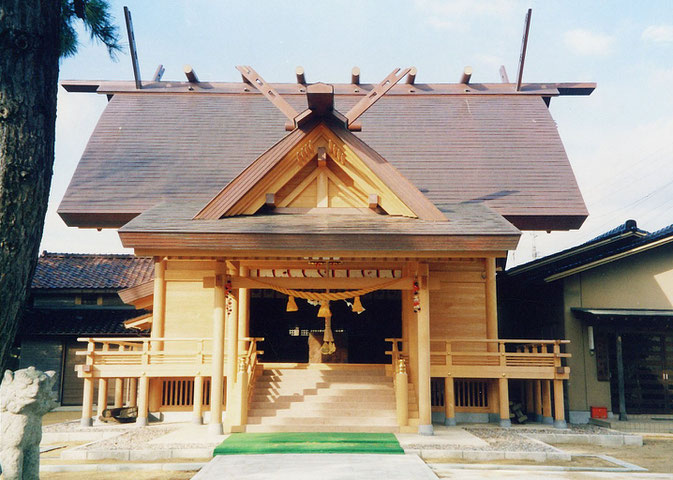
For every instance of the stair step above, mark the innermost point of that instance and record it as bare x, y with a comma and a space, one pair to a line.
326, 420
320, 428
321, 403
303, 410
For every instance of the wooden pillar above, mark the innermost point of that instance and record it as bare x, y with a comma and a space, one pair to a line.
197, 411
401, 393
243, 312
530, 402
242, 389
155, 394
143, 399
503, 390
133, 392
232, 356
449, 402
538, 400
119, 392
159, 302
102, 396
423, 319
87, 403
620, 381
546, 402
559, 407
217, 378
491, 303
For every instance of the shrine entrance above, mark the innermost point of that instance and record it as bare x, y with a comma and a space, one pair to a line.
296, 337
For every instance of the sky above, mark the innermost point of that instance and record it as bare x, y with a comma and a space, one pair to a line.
619, 140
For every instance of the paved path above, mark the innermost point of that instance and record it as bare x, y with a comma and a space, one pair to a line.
479, 474
316, 466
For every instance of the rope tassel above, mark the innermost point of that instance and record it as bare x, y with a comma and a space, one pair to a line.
324, 309
328, 346
357, 305
291, 304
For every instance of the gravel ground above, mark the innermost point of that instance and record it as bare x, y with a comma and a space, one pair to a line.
506, 439
571, 430
139, 439
75, 426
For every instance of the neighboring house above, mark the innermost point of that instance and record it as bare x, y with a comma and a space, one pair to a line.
75, 295
267, 207
615, 289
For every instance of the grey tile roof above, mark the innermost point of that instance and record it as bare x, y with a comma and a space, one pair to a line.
503, 150
90, 271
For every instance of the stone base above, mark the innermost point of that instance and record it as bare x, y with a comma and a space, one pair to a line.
86, 422
560, 424
579, 417
450, 421
505, 422
215, 429
426, 430
547, 420
141, 422
197, 420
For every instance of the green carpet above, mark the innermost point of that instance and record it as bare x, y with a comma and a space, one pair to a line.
260, 443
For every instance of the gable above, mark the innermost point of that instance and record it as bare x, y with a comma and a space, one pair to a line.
321, 167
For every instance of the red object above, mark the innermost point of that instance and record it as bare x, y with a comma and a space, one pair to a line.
599, 412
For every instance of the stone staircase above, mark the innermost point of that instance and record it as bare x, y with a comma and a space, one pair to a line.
323, 398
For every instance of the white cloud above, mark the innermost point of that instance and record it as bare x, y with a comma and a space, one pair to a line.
585, 42
453, 14
658, 34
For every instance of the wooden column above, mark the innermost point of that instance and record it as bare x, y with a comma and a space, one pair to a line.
449, 402
559, 407
242, 390
423, 319
243, 312
119, 392
546, 402
538, 400
197, 410
491, 303
143, 401
102, 396
87, 403
159, 302
133, 392
620, 381
401, 393
217, 379
530, 402
232, 357
503, 387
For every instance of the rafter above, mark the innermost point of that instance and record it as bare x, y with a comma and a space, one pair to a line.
268, 91
372, 97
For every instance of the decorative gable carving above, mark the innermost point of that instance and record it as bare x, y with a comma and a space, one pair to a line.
321, 168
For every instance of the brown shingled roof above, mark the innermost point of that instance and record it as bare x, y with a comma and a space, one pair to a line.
90, 271
502, 150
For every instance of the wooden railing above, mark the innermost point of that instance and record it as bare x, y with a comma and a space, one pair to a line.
482, 358
121, 357
396, 353
251, 360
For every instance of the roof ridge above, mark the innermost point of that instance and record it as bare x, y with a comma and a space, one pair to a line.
45, 253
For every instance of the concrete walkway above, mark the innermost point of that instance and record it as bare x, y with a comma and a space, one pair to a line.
316, 466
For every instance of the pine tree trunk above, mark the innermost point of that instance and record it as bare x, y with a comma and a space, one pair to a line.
29, 54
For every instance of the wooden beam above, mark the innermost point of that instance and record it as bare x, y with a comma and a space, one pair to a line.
373, 201
372, 97
158, 73
190, 74
355, 76
411, 77
132, 48
524, 46
301, 78
503, 74
268, 91
320, 283
467, 74
320, 98
322, 157
270, 201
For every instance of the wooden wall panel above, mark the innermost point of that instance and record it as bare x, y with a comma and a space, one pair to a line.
458, 307
189, 311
